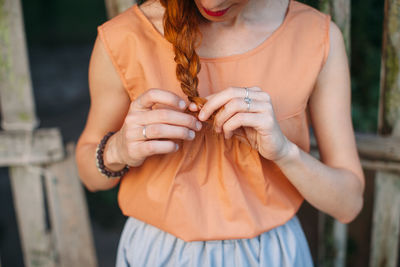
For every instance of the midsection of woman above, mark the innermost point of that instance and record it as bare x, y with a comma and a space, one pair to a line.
251, 174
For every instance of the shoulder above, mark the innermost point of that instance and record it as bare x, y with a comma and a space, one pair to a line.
304, 11
133, 27
335, 51
335, 35
134, 18
116, 45
307, 19
121, 24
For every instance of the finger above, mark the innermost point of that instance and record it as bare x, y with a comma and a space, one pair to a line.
255, 88
153, 147
159, 131
164, 116
260, 96
218, 100
254, 120
193, 107
158, 96
163, 106
238, 105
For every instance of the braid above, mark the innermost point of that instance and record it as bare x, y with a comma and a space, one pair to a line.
181, 20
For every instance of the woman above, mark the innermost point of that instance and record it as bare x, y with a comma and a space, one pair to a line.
202, 108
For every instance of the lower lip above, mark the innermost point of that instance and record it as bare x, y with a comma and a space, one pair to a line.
217, 13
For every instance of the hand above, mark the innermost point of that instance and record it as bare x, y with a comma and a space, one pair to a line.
259, 122
166, 122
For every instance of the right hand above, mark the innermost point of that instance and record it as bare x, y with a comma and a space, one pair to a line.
129, 146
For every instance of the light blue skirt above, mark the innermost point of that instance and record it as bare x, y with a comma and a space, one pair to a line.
144, 245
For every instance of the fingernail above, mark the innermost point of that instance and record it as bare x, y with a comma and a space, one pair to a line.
182, 104
191, 134
176, 147
198, 125
201, 115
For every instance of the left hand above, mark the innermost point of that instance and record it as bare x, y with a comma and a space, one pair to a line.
259, 122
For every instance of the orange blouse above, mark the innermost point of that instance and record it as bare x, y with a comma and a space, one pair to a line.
212, 188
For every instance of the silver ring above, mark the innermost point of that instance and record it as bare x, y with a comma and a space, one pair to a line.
247, 99
144, 132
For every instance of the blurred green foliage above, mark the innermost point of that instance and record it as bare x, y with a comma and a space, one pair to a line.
62, 22
366, 45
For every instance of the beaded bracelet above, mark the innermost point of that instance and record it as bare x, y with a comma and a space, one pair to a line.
100, 161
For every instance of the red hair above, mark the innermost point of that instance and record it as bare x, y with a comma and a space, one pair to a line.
181, 19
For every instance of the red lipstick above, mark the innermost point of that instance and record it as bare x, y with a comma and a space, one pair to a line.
216, 13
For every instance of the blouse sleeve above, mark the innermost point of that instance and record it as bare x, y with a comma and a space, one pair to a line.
110, 49
326, 38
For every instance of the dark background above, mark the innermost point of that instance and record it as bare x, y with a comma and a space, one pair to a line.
60, 36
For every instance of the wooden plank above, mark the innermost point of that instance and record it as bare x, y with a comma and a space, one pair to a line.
114, 7
371, 164
36, 240
69, 214
376, 152
389, 106
375, 147
386, 220
386, 214
381, 166
25, 147
17, 104
22, 146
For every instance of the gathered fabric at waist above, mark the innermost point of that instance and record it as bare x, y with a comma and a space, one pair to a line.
210, 189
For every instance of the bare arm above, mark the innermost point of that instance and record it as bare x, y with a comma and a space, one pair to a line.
336, 184
109, 105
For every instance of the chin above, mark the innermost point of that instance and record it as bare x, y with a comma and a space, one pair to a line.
230, 14
233, 9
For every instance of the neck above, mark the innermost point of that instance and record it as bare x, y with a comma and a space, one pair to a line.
258, 12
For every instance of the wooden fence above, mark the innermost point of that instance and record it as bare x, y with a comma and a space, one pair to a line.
48, 197
377, 152
40, 169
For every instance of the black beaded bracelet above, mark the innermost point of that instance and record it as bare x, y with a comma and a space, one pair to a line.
100, 161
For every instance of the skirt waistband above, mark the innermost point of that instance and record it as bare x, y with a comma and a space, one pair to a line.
142, 244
